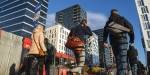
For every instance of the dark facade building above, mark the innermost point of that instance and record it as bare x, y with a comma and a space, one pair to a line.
99, 33
17, 16
71, 16
106, 56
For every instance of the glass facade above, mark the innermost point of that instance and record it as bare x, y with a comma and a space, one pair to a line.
16, 16
71, 16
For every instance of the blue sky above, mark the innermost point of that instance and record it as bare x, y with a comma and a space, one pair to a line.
98, 11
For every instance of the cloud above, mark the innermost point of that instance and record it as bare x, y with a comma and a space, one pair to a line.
50, 19
96, 20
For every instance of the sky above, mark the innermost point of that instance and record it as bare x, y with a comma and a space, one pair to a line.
98, 12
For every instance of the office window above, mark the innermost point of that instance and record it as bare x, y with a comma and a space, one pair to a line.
62, 42
65, 32
55, 31
144, 9
59, 41
147, 25
55, 34
148, 34
60, 30
63, 36
141, 3
52, 35
148, 43
62, 48
52, 41
144, 17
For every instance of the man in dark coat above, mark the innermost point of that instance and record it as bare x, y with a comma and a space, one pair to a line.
118, 29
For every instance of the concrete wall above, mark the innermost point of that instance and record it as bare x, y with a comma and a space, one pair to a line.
10, 52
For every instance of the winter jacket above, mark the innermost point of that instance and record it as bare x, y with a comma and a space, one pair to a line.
121, 21
37, 43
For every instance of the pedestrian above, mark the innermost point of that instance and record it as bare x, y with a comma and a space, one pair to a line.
49, 59
83, 32
132, 59
118, 29
37, 51
24, 56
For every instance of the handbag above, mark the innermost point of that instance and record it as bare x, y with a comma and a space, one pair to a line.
74, 42
41, 52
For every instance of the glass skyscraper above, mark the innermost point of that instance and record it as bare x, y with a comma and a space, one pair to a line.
70, 16
17, 16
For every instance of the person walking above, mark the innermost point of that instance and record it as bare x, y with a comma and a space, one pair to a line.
118, 29
37, 51
83, 32
49, 59
26, 44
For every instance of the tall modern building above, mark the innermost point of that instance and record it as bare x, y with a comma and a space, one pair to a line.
108, 56
57, 35
92, 52
71, 16
99, 33
143, 8
17, 16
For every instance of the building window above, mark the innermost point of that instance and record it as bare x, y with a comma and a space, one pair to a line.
141, 3
148, 43
55, 30
63, 36
147, 25
51, 41
62, 48
52, 35
50, 31
144, 17
148, 34
55, 34
62, 42
60, 30
59, 41
65, 33
144, 9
